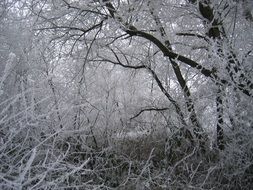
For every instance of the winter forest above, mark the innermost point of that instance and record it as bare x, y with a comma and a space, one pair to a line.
126, 94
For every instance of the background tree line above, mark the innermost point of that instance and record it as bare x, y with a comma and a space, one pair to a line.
126, 94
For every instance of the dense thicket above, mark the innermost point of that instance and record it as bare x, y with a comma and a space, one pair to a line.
126, 94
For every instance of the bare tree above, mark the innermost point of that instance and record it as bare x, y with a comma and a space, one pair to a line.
126, 94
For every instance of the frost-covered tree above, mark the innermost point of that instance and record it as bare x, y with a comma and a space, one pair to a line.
126, 94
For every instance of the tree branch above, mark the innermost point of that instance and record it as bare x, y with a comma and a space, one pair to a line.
159, 83
148, 109
192, 35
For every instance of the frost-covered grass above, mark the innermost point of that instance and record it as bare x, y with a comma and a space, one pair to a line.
151, 161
